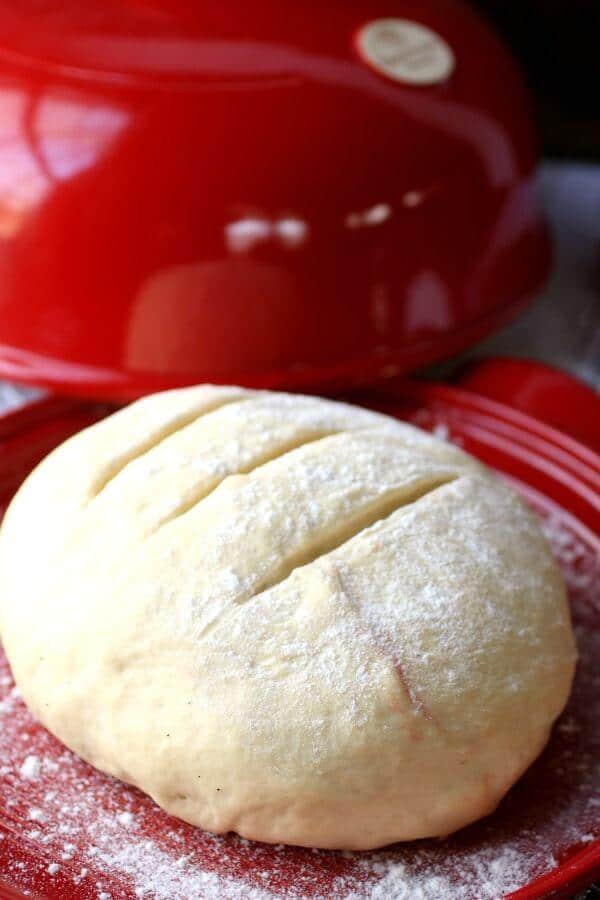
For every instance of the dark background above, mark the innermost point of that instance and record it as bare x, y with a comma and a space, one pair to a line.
557, 43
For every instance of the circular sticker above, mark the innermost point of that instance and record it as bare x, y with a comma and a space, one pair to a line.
405, 51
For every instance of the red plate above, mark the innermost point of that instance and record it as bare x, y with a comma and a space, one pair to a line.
69, 832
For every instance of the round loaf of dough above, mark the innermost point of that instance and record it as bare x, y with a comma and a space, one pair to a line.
287, 617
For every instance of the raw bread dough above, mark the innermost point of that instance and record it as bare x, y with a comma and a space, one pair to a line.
286, 617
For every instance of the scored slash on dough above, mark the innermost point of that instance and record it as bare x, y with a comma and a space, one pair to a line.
270, 438
378, 511
269, 456
415, 697
188, 417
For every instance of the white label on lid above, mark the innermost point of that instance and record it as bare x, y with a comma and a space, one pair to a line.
405, 51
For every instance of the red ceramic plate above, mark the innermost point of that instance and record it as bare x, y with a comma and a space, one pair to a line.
67, 831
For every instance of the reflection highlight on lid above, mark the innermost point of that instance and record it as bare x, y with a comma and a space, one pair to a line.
45, 139
367, 218
250, 232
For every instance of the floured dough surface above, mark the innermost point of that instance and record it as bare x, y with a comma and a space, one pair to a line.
286, 617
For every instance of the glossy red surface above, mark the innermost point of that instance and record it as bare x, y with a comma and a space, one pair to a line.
549, 813
226, 192
541, 391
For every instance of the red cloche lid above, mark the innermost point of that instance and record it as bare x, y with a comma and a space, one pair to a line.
295, 195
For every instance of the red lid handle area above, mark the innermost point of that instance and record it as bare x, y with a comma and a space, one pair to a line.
541, 391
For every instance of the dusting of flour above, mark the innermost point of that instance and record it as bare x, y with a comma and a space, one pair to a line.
67, 830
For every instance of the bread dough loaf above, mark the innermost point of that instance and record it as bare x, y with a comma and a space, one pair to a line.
286, 617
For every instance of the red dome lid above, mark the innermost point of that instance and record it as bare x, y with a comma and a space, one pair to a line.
289, 195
